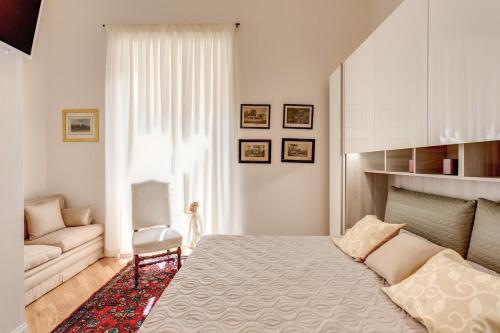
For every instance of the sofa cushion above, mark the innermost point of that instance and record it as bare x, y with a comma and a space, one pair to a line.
70, 237
76, 217
38, 201
35, 255
43, 218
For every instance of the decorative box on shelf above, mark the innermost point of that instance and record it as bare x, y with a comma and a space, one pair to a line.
450, 166
411, 166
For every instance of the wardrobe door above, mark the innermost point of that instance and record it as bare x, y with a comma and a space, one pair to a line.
336, 154
464, 71
400, 78
358, 112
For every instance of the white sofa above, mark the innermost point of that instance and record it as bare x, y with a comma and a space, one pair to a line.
56, 257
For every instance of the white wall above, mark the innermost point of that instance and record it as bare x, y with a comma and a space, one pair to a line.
381, 9
11, 193
35, 78
286, 50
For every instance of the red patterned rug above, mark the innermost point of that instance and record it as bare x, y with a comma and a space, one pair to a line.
118, 306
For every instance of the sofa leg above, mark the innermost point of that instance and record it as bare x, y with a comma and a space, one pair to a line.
136, 270
179, 253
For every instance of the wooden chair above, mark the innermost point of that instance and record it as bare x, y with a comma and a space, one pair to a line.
151, 222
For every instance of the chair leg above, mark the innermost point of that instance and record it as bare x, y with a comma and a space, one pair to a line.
136, 270
179, 253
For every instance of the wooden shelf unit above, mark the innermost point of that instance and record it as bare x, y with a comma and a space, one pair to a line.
398, 160
479, 161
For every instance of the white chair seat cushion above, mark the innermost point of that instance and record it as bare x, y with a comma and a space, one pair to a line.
155, 239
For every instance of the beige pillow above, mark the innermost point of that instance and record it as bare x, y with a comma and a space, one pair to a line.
76, 217
366, 236
447, 295
401, 256
43, 218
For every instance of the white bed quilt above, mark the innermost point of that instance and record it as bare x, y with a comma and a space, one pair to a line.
275, 284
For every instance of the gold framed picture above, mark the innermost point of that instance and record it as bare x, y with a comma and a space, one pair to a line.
80, 125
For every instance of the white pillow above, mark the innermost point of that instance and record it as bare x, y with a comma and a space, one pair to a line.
76, 217
43, 218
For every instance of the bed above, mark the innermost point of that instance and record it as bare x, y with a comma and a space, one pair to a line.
275, 284
306, 284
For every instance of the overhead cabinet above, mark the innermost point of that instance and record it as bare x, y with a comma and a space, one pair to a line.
464, 71
386, 84
429, 75
400, 78
358, 94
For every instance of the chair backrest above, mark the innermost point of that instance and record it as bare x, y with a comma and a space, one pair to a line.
150, 204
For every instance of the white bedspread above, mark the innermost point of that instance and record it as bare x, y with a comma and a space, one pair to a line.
275, 284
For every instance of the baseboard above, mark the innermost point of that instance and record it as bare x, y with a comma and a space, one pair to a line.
23, 328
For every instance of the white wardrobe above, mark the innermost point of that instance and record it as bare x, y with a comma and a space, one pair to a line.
429, 75
423, 87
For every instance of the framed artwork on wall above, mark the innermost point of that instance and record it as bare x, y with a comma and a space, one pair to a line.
80, 125
254, 151
257, 116
297, 150
298, 116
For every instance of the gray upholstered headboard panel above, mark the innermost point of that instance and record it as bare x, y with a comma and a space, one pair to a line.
442, 220
484, 248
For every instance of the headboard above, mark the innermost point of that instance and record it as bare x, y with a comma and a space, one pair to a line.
443, 220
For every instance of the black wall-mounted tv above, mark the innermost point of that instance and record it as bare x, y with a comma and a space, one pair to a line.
18, 23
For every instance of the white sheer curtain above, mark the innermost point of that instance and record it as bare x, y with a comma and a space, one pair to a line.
169, 106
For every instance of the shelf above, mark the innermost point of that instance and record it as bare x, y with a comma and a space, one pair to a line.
398, 160
482, 159
374, 160
429, 160
476, 179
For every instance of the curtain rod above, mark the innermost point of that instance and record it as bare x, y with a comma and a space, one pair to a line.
237, 25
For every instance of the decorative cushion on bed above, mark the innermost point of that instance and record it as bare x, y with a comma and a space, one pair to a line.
447, 295
484, 247
401, 256
483, 269
76, 217
442, 220
43, 219
366, 236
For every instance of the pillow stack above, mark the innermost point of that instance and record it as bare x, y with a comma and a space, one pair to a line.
47, 217
436, 286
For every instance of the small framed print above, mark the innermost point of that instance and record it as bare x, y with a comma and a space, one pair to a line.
81, 125
255, 116
298, 116
255, 151
297, 150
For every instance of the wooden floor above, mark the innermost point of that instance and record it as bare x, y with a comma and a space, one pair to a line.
47, 312
44, 314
